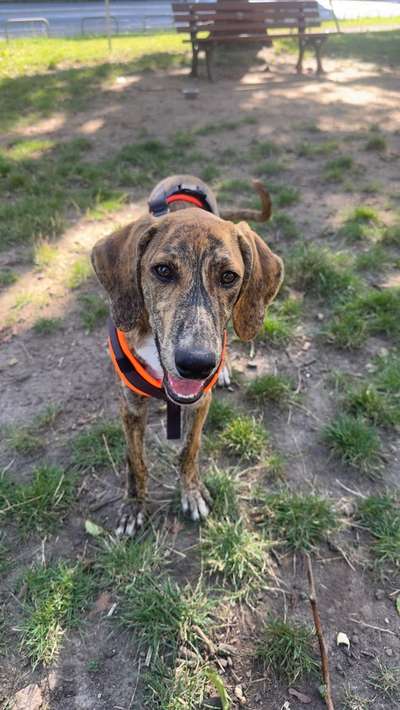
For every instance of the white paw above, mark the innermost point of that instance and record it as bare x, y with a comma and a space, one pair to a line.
130, 521
224, 378
196, 503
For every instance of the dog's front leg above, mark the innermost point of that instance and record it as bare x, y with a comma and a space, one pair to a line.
134, 416
196, 500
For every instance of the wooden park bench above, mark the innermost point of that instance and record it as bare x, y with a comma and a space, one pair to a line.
238, 22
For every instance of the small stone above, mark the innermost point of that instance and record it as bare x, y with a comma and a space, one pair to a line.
388, 651
380, 594
339, 669
320, 316
355, 639
239, 695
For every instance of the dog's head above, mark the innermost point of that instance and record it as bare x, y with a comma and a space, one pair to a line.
184, 276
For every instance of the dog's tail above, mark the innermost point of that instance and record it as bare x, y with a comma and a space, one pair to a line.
262, 215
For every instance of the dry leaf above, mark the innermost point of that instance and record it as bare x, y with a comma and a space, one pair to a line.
305, 699
29, 698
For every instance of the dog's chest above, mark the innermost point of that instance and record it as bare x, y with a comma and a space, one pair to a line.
147, 352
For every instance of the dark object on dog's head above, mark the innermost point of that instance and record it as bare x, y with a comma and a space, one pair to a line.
178, 189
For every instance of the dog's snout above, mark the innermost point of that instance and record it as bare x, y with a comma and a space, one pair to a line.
194, 364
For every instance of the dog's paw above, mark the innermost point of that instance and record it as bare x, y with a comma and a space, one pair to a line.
196, 502
131, 519
224, 377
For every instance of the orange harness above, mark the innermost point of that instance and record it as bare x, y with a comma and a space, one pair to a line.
130, 369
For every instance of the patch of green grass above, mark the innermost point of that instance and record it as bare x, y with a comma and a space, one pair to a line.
338, 168
120, 563
22, 149
375, 258
25, 298
287, 649
244, 438
224, 488
287, 196
229, 189
355, 442
381, 515
163, 614
80, 271
270, 167
280, 322
89, 450
107, 201
386, 680
55, 597
320, 272
371, 313
378, 398
39, 505
7, 277
238, 555
352, 701
94, 310
24, 440
283, 226
209, 172
377, 142
362, 223
301, 522
308, 149
44, 254
271, 388
219, 414
47, 326
184, 686
391, 235
262, 149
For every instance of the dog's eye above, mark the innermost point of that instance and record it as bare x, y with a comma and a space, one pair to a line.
164, 272
228, 278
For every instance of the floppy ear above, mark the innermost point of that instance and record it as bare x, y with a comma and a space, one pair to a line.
262, 279
116, 261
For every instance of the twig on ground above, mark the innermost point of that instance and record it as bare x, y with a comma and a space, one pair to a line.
321, 640
370, 626
350, 490
110, 457
208, 643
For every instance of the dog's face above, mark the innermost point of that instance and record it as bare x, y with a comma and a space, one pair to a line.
184, 276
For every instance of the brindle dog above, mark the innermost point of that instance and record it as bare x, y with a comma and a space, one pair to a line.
173, 283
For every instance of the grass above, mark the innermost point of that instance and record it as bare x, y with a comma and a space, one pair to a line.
89, 450
47, 326
387, 680
310, 149
362, 223
300, 521
271, 388
79, 272
120, 563
381, 516
377, 142
183, 686
93, 311
355, 442
352, 701
372, 312
219, 414
287, 649
286, 196
262, 149
375, 258
338, 168
40, 505
282, 225
55, 597
7, 277
378, 398
270, 167
44, 254
320, 272
281, 322
391, 235
24, 440
164, 615
244, 438
224, 488
237, 554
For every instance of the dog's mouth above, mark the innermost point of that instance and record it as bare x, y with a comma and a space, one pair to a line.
182, 390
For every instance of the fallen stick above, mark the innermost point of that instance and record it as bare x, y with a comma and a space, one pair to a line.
318, 628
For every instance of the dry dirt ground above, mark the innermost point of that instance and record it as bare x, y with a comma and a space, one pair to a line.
71, 370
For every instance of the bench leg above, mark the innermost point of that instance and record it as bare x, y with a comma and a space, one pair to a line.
209, 56
195, 61
299, 65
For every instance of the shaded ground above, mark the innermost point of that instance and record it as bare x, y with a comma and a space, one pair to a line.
136, 128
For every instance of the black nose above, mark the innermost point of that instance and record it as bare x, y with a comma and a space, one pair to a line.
194, 364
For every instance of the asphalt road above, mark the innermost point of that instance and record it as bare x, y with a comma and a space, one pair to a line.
65, 18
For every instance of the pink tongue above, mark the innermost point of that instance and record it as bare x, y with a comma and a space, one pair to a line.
185, 388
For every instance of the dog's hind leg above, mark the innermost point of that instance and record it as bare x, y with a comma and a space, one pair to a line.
134, 416
196, 499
